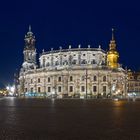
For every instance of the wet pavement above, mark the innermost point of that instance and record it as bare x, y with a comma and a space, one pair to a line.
46, 119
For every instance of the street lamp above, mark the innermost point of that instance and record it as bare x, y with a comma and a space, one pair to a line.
86, 77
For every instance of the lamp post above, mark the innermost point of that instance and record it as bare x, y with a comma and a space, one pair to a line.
86, 77
98, 83
126, 82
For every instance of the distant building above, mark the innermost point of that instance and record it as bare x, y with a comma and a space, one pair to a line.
73, 72
134, 82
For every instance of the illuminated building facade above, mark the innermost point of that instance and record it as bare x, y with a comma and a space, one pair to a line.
73, 72
134, 83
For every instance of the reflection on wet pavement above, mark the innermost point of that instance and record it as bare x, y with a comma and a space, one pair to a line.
41, 119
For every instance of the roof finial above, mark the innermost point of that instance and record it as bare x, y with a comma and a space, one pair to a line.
99, 46
79, 46
112, 33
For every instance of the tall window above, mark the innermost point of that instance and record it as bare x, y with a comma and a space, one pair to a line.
74, 62
71, 78
94, 88
56, 63
43, 63
49, 79
82, 88
31, 89
93, 61
39, 89
49, 89
104, 89
25, 89
104, 78
48, 64
84, 62
71, 89
59, 89
65, 62
94, 78
38, 80
59, 79
83, 78
31, 81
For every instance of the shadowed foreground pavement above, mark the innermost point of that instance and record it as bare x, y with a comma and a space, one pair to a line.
44, 119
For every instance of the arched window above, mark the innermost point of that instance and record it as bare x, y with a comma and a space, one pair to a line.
71, 89
59, 79
104, 89
94, 78
59, 88
104, 78
94, 88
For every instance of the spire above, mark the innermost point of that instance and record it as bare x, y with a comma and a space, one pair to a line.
29, 39
112, 54
112, 41
30, 28
112, 33
30, 33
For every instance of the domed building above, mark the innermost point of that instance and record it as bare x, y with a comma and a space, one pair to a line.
73, 73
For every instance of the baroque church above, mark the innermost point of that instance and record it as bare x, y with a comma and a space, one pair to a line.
71, 73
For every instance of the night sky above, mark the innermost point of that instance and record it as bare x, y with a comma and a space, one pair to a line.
62, 22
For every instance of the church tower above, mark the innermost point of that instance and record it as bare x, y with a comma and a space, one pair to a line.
112, 54
29, 51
